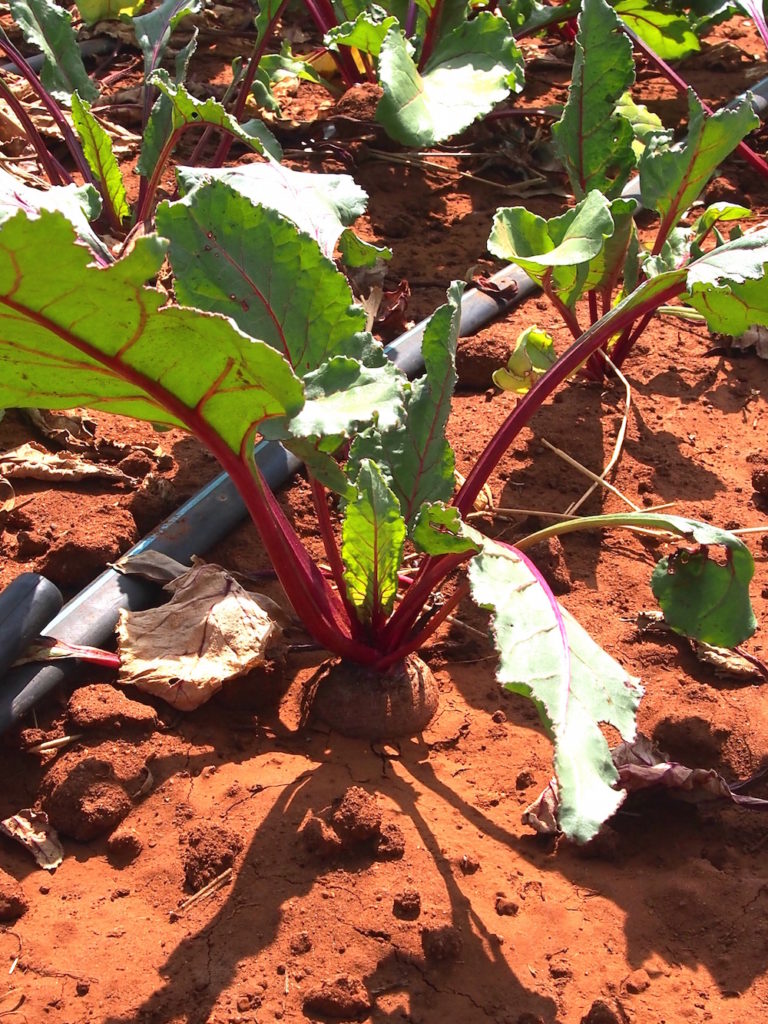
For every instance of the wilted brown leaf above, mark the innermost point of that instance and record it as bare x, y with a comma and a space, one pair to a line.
210, 631
28, 462
641, 765
31, 829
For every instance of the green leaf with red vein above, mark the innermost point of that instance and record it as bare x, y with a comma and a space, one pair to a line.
470, 70
672, 176
85, 336
47, 27
418, 459
545, 655
233, 257
97, 148
668, 33
373, 534
592, 139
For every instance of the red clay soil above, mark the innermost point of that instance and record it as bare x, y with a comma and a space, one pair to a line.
396, 883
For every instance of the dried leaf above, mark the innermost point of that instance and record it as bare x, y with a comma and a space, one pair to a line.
30, 463
641, 765
151, 565
31, 829
210, 631
723, 660
7, 496
756, 337
61, 427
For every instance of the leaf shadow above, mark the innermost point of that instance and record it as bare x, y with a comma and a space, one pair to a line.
276, 871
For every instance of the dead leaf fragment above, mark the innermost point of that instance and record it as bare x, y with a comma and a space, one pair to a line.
30, 463
754, 337
641, 765
7, 496
31, 829
61, 427
723, 660
210, 631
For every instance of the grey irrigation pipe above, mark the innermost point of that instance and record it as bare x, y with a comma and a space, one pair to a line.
90, 617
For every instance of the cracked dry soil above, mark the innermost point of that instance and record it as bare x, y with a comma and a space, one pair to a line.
342, 880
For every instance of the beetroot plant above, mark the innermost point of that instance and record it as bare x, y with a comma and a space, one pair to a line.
590, 257
268, 342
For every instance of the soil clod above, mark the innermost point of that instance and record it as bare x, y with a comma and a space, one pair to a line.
341, 998
357, 818
407, 905
124, 846
638, 981
506, 907
441, 945
300, 943
390, 844
207, 850
87, 793
600, 1013
101, 706
13, 902
319, 838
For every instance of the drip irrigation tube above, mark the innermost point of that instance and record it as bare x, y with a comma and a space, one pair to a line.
208, 517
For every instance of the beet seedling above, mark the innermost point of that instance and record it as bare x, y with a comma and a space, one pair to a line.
592, 251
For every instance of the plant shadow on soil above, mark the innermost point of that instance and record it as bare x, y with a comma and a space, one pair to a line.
670, 890
234, 935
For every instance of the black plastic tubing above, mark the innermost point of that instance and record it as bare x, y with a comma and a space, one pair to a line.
212, 513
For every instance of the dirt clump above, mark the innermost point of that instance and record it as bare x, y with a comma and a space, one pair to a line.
319, 838
86, 793
407, 905
341, 998
207, 851
638, 981
357, 818
600, 1013
87, 544
506, 907
441, 945
101, 706
300, 943
13, 902
353, 825
124, 846
390, 844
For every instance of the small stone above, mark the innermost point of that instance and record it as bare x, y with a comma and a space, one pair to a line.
124, 846
45, 889
637, 982
82, 988
357, 818
441, 944
505, 907
300, 943
600, 1013
341, 998
499, 716
13, 902
524, 780
407, 905
319, 838
529, 1018
391, 842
